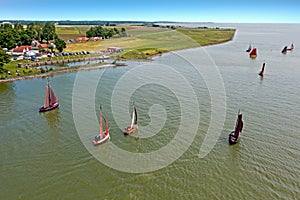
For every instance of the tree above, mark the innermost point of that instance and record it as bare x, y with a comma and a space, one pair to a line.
35, 31
48, 31
3, 59
60, 44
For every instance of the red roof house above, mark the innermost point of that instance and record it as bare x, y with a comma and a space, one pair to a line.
21, 50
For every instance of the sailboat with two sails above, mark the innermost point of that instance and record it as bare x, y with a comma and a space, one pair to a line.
133, 126
51, 100
103, 136
235, 135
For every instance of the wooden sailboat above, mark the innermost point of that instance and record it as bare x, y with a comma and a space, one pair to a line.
284, 50
291, 48
133, 126
249, 48
261, 73
253, 53
103, 136
51, 100
235, 135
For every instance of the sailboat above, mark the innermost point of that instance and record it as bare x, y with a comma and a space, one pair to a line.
51, 100
249, 48
261, 73
103, 136
235, 135
133, 126
284, 50
291, 48
253, 53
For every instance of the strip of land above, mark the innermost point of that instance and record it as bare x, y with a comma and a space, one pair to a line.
142, 43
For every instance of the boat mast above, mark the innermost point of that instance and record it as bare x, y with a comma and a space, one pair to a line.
100, 120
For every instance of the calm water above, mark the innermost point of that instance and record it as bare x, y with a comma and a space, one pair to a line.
43, 156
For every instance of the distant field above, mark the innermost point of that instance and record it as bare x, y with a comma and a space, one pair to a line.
158, 39
208, 36
71, 32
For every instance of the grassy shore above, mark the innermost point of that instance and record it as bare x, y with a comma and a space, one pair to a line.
143, 42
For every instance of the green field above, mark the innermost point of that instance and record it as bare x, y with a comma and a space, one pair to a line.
71, 32
159, 39
142, 42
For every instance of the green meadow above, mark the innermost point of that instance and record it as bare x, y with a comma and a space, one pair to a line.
142, 42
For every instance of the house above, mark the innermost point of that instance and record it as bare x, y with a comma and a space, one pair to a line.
43, 46
82, 39
95, 38
21, 50
113, 49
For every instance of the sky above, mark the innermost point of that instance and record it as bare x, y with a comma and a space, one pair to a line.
249, 11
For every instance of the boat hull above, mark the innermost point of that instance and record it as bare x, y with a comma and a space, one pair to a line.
129, 130
232, 139
253, 56
45, 109
103, 140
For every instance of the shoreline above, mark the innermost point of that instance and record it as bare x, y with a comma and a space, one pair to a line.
86, 67
71, 70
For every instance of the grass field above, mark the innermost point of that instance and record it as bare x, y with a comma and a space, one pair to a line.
142, 42
158, 39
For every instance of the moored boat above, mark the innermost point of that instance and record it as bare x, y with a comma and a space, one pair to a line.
103, 136
253, 53
234, 136
133, 126
51, 100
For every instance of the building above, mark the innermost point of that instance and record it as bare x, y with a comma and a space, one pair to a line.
21, 50
113, 49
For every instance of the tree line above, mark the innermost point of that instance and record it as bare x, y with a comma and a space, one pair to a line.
105, 33
12, 35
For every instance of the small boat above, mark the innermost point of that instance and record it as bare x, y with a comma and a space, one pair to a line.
249, 48
103, 136
291, 48
235, 135
133, 127
253, 53
284, 50
51, 100
261, 73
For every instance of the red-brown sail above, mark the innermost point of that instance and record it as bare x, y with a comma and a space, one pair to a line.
253, 53
103, 136
47, 97
234, 135
51, 100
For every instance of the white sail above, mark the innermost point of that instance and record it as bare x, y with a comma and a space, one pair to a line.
133, 117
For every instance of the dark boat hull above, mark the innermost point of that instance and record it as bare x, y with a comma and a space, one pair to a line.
45, 109
232, 139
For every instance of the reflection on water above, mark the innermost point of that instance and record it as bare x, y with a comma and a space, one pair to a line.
53, 117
